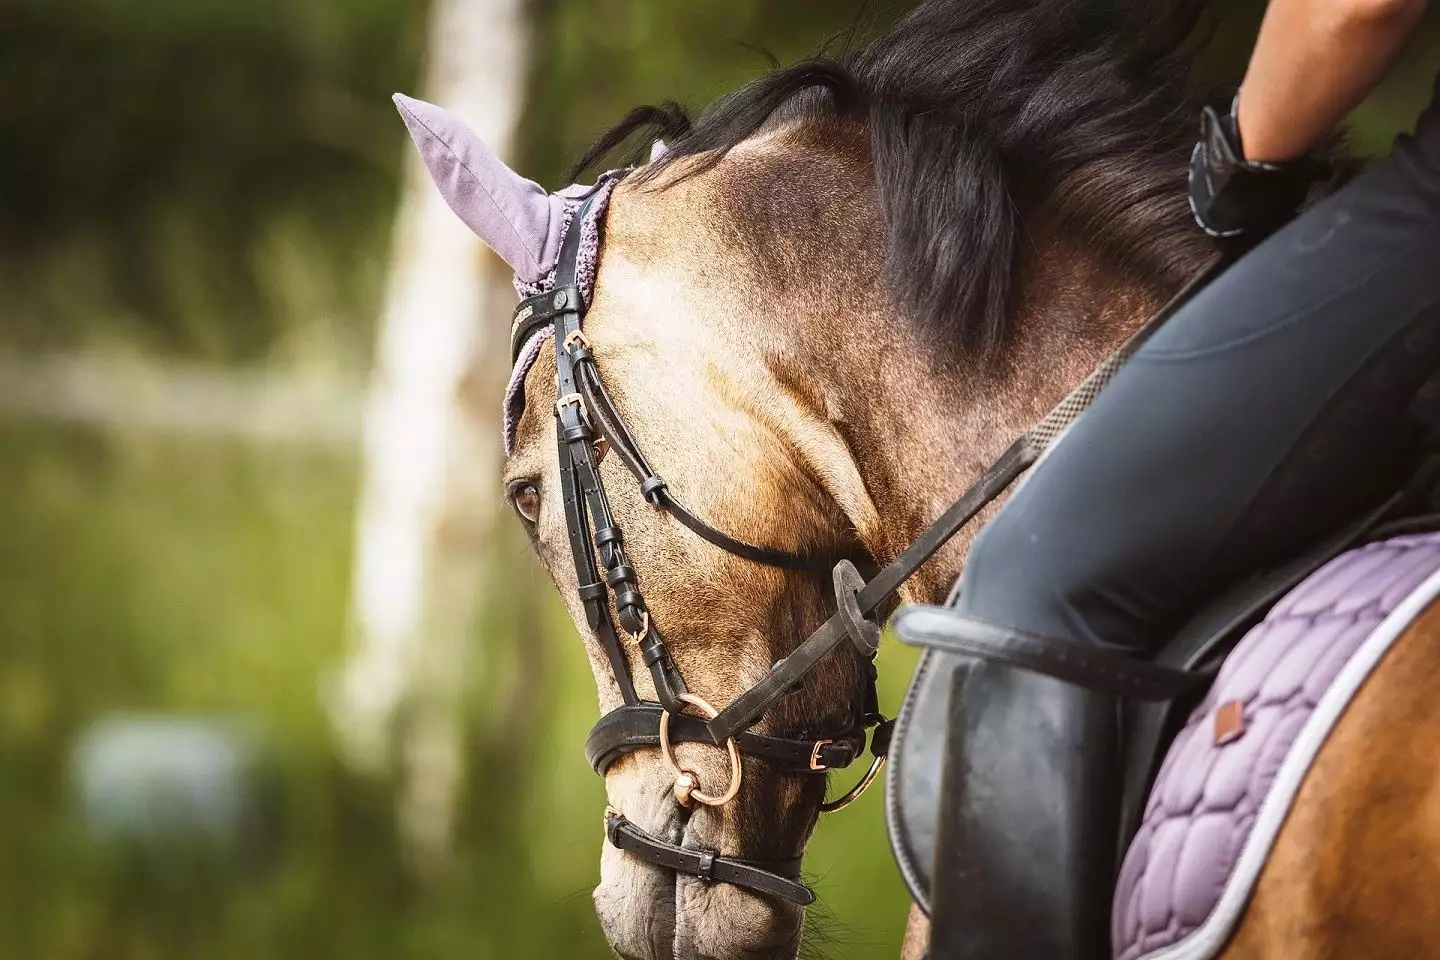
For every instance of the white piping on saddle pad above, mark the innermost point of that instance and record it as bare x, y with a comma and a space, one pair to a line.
1211, 936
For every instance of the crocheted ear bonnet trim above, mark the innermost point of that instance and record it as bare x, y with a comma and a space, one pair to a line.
585, 266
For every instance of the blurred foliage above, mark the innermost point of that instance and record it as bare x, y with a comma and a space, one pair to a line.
216, 179
223, 594
196, 176
602, 57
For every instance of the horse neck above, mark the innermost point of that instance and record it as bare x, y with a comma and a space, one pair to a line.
921, 424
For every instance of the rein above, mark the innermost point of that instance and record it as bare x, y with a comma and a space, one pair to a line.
745, 709
586, 419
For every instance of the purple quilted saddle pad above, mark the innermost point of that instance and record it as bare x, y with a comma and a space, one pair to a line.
1233, 771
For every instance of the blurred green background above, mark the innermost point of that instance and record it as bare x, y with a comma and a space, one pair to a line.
213, 182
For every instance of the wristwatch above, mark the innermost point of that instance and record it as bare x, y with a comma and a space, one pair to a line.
1231, 196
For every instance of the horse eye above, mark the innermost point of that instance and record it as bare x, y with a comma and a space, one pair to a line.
527, 502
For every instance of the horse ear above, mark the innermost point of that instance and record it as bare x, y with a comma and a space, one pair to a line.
515, 217
657, 150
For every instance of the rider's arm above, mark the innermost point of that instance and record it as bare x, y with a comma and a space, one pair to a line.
1314, 61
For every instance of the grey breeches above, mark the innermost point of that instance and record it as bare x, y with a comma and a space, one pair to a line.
1271, 408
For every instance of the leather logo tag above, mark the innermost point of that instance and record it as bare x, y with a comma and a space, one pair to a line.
1229, 722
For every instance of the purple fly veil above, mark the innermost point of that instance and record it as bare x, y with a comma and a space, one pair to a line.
515, 217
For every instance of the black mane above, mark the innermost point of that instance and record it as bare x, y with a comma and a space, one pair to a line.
981, 113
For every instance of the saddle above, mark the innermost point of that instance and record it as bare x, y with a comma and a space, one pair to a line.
1159, 703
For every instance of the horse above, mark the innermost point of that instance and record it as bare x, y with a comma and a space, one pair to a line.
819, 313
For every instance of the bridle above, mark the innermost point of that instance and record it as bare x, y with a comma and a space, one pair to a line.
586, 418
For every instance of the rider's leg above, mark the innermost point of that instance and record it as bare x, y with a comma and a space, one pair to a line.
1269, 409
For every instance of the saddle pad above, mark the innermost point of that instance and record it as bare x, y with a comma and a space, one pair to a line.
1227, 783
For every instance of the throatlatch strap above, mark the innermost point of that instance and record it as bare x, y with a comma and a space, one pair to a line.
654, 488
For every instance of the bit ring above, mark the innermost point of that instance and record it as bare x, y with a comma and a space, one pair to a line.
686, 782
855, 792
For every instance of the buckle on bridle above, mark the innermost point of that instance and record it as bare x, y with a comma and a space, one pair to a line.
579, 402
815, 763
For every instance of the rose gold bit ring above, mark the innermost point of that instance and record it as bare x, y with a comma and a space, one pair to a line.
687, 784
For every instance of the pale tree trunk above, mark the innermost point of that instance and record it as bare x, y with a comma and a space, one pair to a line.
430, 489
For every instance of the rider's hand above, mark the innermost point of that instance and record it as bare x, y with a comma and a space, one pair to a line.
1313, 62
1231, 195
